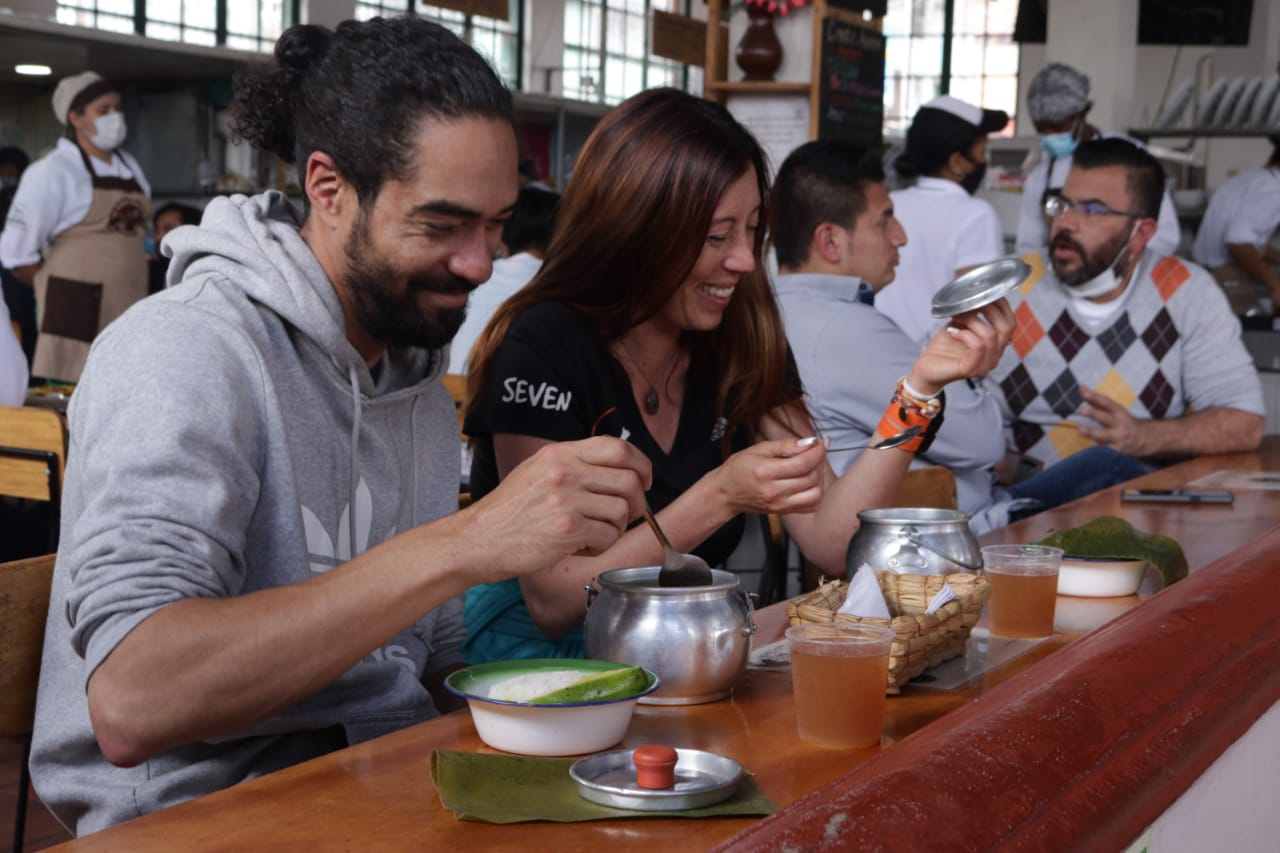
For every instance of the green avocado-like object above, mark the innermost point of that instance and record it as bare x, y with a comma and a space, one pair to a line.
1115, 538
610, 684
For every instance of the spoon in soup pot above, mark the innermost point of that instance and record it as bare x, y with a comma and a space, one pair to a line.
677, 569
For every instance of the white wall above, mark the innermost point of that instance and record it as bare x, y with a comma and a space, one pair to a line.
544, 46
1128, 80
327, 13
1232, 806
41, 8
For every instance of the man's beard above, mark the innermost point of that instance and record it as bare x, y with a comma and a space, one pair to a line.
1092, 264
388, 314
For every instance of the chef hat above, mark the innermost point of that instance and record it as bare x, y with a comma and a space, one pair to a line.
74, 92
1056, 92
941, 127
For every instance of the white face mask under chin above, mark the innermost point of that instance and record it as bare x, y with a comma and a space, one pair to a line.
1105, 281
108, 131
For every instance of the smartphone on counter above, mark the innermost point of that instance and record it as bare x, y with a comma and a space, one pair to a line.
1177, 496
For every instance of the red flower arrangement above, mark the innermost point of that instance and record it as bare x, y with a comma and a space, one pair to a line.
776, 7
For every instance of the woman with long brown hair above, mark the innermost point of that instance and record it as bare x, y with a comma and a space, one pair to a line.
653, 320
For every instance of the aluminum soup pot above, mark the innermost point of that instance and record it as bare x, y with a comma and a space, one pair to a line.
695, 638
921, 541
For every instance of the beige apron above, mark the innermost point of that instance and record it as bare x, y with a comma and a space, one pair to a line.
95, 270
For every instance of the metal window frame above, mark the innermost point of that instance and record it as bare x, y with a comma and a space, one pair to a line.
292, 14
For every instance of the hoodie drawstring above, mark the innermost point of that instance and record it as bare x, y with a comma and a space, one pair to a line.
414, 462
355, 459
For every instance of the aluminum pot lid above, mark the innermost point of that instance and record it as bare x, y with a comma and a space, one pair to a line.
980, 286
701, 779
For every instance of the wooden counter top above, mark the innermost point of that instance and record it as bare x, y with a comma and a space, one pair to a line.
1024, 738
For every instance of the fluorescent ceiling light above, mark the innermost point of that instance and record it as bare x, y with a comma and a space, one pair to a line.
33, 70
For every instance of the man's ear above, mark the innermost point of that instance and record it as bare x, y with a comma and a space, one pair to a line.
826, 243
326, 189
1142, 235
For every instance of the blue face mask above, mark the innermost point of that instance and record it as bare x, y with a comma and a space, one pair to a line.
1059, 144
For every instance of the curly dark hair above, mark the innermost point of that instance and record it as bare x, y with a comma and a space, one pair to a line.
358, 93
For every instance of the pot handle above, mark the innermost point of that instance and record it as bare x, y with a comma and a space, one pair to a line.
592, 592
751, 627
919, 543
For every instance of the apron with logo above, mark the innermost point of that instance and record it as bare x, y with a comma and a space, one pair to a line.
95, 270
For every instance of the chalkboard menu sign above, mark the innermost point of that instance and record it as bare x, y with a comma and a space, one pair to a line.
851, 85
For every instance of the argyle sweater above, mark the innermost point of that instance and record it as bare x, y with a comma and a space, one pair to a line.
1172, 346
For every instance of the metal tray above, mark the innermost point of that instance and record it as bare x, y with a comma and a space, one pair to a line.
980, 286
702, 779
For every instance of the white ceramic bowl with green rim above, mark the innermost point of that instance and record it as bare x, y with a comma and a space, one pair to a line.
531, 728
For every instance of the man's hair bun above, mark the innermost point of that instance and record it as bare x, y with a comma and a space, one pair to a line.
300, 47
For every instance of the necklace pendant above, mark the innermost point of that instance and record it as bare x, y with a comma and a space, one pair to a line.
651, 401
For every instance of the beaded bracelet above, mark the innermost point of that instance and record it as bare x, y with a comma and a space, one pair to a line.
907, 397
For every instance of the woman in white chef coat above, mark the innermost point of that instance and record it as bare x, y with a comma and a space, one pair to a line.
948, 230
88, 201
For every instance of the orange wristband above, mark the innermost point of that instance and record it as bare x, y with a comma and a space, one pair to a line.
906, 411
897, 419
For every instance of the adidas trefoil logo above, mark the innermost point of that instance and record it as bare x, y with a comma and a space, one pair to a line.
321, 550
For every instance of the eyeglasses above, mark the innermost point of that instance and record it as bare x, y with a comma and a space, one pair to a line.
1058, 205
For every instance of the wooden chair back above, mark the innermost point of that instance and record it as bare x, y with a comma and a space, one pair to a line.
933, 487
33, 452
33, 459
24, 604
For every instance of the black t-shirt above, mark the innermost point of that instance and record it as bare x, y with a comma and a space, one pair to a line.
552, 378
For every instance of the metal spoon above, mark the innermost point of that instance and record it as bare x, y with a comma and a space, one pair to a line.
896, 440
677, 569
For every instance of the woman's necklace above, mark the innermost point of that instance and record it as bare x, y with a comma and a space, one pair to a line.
652, 400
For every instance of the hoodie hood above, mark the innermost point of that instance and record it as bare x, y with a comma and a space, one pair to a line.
254, 243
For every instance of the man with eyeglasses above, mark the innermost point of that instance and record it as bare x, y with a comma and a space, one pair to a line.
1116, 344
1058, 103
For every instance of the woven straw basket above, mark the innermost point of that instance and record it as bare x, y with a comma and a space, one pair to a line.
922, 640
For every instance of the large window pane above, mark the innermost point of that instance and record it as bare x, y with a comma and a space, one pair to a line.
365, 11
250, 24
983, 67
498, 41
614, 35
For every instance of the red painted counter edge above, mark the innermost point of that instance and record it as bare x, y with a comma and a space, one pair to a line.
1081, 751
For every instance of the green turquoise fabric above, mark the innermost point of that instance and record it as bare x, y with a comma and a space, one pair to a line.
493, 788
500, 627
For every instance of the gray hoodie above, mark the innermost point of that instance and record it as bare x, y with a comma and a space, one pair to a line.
226, 438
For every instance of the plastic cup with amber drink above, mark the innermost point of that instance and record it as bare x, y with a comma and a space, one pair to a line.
1024, 588
839, 671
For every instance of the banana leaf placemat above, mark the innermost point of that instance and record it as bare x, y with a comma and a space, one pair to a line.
495, 788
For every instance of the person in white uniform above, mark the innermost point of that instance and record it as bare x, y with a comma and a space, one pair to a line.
951, 231
525, 235
1058, 102
88, 201
1234, 240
